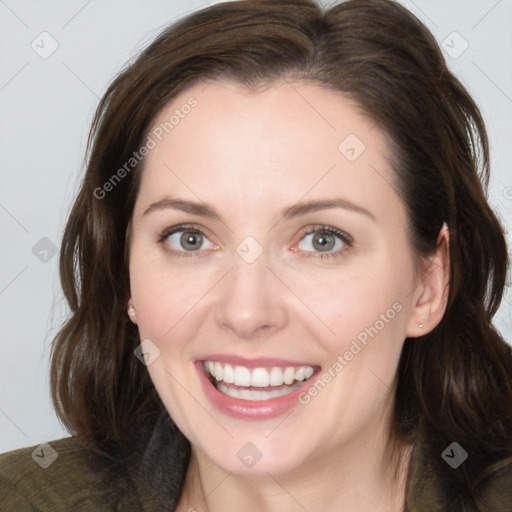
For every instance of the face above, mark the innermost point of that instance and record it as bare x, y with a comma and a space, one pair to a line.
269, 248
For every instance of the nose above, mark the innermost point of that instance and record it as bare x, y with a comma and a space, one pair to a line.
251, 301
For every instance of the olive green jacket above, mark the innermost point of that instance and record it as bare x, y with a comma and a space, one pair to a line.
64, 476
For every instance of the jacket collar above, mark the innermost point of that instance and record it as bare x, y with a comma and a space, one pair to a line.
157, 465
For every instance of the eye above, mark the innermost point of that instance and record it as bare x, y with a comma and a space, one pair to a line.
325, 239
322, 241
180, 240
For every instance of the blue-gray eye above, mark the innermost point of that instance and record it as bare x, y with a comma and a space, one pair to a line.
187, 239
322, 240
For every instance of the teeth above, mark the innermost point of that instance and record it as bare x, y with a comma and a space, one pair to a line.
253, 395
242, 376
289, 375
308, 372
229, 374
299, 374
276, 376
258, 377
218, 371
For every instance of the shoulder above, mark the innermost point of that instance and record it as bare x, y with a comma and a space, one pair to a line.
59, 475
495, 487
64, 475
435, 485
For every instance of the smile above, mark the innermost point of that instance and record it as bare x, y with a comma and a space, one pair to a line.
240, 381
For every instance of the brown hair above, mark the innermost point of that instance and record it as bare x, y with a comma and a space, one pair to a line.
455, 383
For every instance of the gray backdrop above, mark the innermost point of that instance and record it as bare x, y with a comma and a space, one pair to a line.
56, 61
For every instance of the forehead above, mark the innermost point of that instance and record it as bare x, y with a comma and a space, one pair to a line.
219, 142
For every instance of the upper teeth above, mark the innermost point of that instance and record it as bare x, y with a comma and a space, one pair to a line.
258, 377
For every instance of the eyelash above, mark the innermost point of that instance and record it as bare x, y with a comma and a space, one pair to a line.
344, 237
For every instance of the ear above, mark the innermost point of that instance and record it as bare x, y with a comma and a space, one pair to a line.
130, 307
431, 294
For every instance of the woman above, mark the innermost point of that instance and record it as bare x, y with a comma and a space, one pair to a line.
282, 271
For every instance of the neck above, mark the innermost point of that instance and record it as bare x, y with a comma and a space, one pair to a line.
368, 476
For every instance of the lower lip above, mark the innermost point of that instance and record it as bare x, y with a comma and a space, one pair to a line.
246, 409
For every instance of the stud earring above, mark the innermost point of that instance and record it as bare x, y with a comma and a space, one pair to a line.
131, 311
420, 325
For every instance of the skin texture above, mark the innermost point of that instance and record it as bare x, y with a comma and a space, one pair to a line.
250, 155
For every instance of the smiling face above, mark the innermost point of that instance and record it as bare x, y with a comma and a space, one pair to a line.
267, 234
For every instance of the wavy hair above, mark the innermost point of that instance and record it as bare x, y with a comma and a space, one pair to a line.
455, 383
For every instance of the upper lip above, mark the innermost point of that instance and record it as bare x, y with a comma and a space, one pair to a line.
257, 362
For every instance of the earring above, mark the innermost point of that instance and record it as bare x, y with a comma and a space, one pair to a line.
420, 325
131, 311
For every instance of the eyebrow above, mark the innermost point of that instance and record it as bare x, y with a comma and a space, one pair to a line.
205, 210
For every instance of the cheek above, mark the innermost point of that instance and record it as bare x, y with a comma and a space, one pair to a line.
157, 295
167, 298
359, 303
